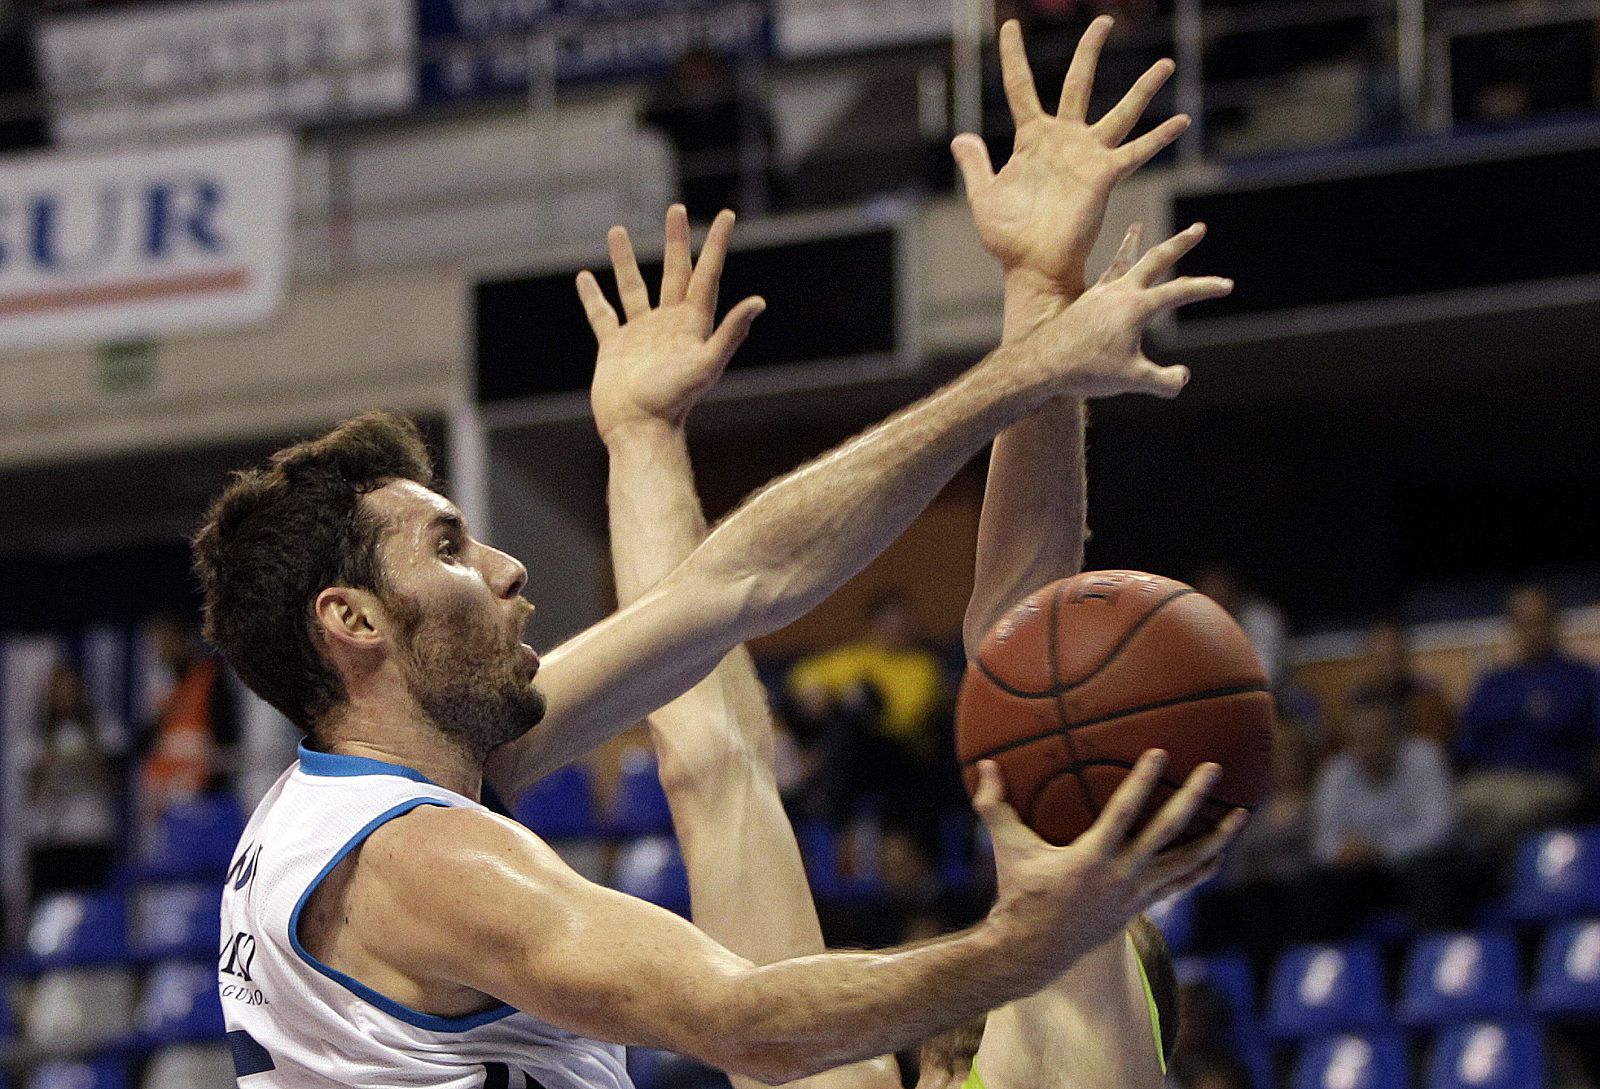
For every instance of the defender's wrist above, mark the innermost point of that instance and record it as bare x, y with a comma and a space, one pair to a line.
643, 431
1032, 298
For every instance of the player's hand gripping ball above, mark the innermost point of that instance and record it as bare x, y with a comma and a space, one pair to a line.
1089, 672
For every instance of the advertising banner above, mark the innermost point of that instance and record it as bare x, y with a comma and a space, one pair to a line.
809, 28
158, 241
484, 48
218, 65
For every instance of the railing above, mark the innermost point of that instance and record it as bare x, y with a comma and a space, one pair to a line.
1406, 44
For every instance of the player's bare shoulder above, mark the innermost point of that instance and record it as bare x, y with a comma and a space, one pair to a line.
406, 911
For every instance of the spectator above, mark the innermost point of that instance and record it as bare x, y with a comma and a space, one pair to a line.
1383, 817
1255, 904
1261, 620
73, 794
892, 689
724, 139
1528, 731
193, 738
1387, 676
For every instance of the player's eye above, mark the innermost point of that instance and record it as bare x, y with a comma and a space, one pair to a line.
448, 548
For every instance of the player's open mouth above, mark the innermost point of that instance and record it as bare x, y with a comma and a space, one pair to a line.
531, 657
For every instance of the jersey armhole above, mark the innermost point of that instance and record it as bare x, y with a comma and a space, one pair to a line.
431, 1022
1150, 1001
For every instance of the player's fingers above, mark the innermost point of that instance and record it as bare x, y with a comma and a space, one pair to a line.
1160, 258
602, 318
630, 283
1017, 76
1172, 818
1126, 254
1128, 801
1164, 382
972, 156
1185, 290
1079, 84
1189, 882
1136, 153
708, 270
1114, 127
675, 261
989, 802
1185, 867
734, 328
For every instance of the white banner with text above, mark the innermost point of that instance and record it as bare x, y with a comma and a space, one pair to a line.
212, 66
154, 242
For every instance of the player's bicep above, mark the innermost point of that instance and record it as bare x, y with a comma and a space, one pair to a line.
481, 903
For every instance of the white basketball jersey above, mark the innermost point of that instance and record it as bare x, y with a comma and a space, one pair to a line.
295, 1023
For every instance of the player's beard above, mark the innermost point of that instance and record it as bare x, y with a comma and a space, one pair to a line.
469, 678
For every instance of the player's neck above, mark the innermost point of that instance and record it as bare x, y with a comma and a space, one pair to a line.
411, 742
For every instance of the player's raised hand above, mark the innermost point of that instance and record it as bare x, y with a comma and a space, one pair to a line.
1094, 347
1059, 902
1040, 215
655, 362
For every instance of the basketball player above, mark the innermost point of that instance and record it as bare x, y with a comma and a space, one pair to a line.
382, 927
1101, 1022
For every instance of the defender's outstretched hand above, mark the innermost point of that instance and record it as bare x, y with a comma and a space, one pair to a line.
653, 366
1042, 213
1087, 891
1093, 348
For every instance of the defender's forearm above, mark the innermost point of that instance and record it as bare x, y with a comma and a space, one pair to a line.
799, 539
652, 505
1032, 529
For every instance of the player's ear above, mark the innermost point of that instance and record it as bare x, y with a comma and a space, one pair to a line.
350, 618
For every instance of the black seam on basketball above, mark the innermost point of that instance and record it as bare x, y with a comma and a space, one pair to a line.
1052, 647
1067, 728
1057, 688
1077, 769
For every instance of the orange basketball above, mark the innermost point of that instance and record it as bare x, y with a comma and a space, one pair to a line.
1089, 672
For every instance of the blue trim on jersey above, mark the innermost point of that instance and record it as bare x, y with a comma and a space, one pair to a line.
431, 1022
337, 763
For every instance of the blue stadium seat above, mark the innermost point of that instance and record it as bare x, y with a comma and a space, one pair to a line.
1454, 977
1556, 875
176, 920
652, 1069
1567, 982
1318, 990
1488, 1055
1174, 917
1229, 975
641, 804
195, 838
180, 1004
561, 805
78, 928
102, 1074
819, 847
652, 869
1353, 1062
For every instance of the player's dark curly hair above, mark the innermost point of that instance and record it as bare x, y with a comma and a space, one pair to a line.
276, 537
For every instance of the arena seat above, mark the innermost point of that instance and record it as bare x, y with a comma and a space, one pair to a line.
180, 1004
652, 869
1567, 980
820, 848
1229, 975
641, 804
1175, 918
194, 838
1452, 977
1556, 875
190, 1067
1487, 1055
1353, 1062
101, 1074
561, 805
653, 1069
78, 928
175, 920
77, 1010
1318, 990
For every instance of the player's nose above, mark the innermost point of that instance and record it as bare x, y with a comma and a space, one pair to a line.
510, 576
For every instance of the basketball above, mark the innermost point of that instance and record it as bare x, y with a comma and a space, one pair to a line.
1084, 675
